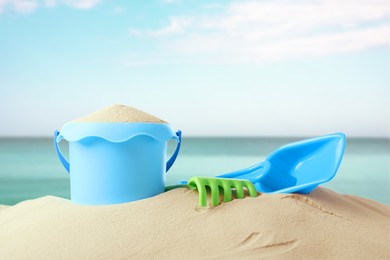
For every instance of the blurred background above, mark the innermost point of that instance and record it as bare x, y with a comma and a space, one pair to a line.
239, 78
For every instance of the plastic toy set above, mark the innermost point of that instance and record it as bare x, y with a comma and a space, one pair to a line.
121, 162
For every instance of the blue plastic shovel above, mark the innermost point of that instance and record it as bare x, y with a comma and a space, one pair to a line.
297, 167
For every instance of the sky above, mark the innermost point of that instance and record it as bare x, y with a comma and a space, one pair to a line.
210, 68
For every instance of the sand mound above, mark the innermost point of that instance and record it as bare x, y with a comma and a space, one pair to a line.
119, 113
321, 225
3, 207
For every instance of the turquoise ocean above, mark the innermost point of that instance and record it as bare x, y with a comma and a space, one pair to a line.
29, 167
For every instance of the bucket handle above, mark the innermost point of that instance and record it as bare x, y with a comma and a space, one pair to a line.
64, 162
174, 155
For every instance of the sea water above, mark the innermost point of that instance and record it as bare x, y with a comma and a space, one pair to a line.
29, 167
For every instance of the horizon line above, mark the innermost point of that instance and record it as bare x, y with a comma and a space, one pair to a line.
221, 136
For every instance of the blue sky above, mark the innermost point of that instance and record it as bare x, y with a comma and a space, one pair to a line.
226, 68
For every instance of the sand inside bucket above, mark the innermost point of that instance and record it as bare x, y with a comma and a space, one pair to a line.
118, 114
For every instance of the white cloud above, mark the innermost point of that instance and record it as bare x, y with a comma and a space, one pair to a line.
168, 1
25, 6
176, 25
81, 4
50, 3
260, 31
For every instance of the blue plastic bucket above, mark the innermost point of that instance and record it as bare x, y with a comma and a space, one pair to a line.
113, 163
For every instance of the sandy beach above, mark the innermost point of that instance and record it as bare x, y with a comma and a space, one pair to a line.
321, 225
